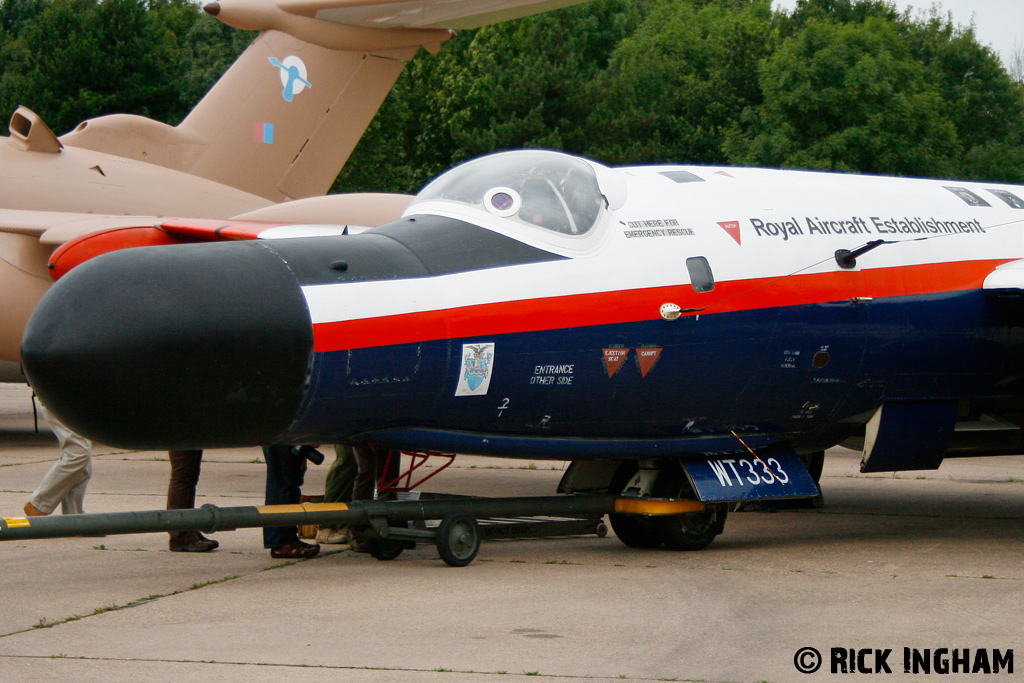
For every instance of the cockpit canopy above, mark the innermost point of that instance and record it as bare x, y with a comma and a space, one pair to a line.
536, 188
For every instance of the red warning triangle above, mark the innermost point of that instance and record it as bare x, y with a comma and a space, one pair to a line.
733, 228
647, 358
613, 359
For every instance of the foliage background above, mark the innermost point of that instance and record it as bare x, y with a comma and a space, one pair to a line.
843, 85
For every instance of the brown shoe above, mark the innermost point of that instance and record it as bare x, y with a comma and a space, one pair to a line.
295, 550
32, 511
193, 542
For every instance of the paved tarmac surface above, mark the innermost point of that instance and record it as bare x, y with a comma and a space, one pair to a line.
918, 560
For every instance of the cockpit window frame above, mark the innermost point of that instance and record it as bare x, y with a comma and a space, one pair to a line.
537, 196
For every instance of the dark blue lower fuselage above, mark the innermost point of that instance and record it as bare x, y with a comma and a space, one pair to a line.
807, 375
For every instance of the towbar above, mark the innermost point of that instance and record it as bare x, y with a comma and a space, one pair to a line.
212, 518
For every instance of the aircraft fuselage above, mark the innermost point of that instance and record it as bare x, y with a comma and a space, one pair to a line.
515, 330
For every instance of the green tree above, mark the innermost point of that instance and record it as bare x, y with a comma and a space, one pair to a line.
839, 12
518, 84
402, 147
977, 95
70, 60
849, 97
527, 80
677, 84
15, 15
206, 49
853, 85
980, 97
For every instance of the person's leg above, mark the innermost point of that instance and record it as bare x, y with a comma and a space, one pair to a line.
73, 502
341, 478
371, 463
185, 468
181, 495
366, 476
338, 489
281, 490
68, 477
284, 487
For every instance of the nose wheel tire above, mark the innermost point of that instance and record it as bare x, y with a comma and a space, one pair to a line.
692, 530
458, 539
632, 530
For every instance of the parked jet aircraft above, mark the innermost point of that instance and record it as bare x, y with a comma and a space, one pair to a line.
678, 332
277, 127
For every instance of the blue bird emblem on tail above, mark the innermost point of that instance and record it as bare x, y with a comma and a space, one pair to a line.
293, 76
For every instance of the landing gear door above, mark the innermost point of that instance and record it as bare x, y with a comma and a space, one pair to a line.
908, 435
768, 475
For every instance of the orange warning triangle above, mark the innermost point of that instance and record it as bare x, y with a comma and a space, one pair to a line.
613, 359
647, 358
733, 228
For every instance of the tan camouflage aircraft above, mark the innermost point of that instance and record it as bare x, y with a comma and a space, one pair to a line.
264, 144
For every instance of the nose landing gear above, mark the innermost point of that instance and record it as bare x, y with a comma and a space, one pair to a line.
687, 531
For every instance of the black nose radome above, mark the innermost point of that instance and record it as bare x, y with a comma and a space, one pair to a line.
193, 346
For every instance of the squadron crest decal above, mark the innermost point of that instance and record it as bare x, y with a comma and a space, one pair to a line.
293, 76
477, 366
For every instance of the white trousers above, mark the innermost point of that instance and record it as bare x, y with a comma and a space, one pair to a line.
66, 481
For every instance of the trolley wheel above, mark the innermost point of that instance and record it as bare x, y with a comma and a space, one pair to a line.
601, 530
458, 539
385, 548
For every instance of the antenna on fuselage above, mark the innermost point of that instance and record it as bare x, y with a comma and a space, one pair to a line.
848, 259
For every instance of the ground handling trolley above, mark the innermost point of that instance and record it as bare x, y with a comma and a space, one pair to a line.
388, 527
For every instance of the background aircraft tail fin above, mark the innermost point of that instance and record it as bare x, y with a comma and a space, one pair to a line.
283, 120
279, 124
285, 117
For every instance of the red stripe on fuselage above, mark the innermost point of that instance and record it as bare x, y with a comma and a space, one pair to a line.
634, 305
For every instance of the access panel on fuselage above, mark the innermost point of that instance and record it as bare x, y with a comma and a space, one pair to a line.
646, 379
812, 361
